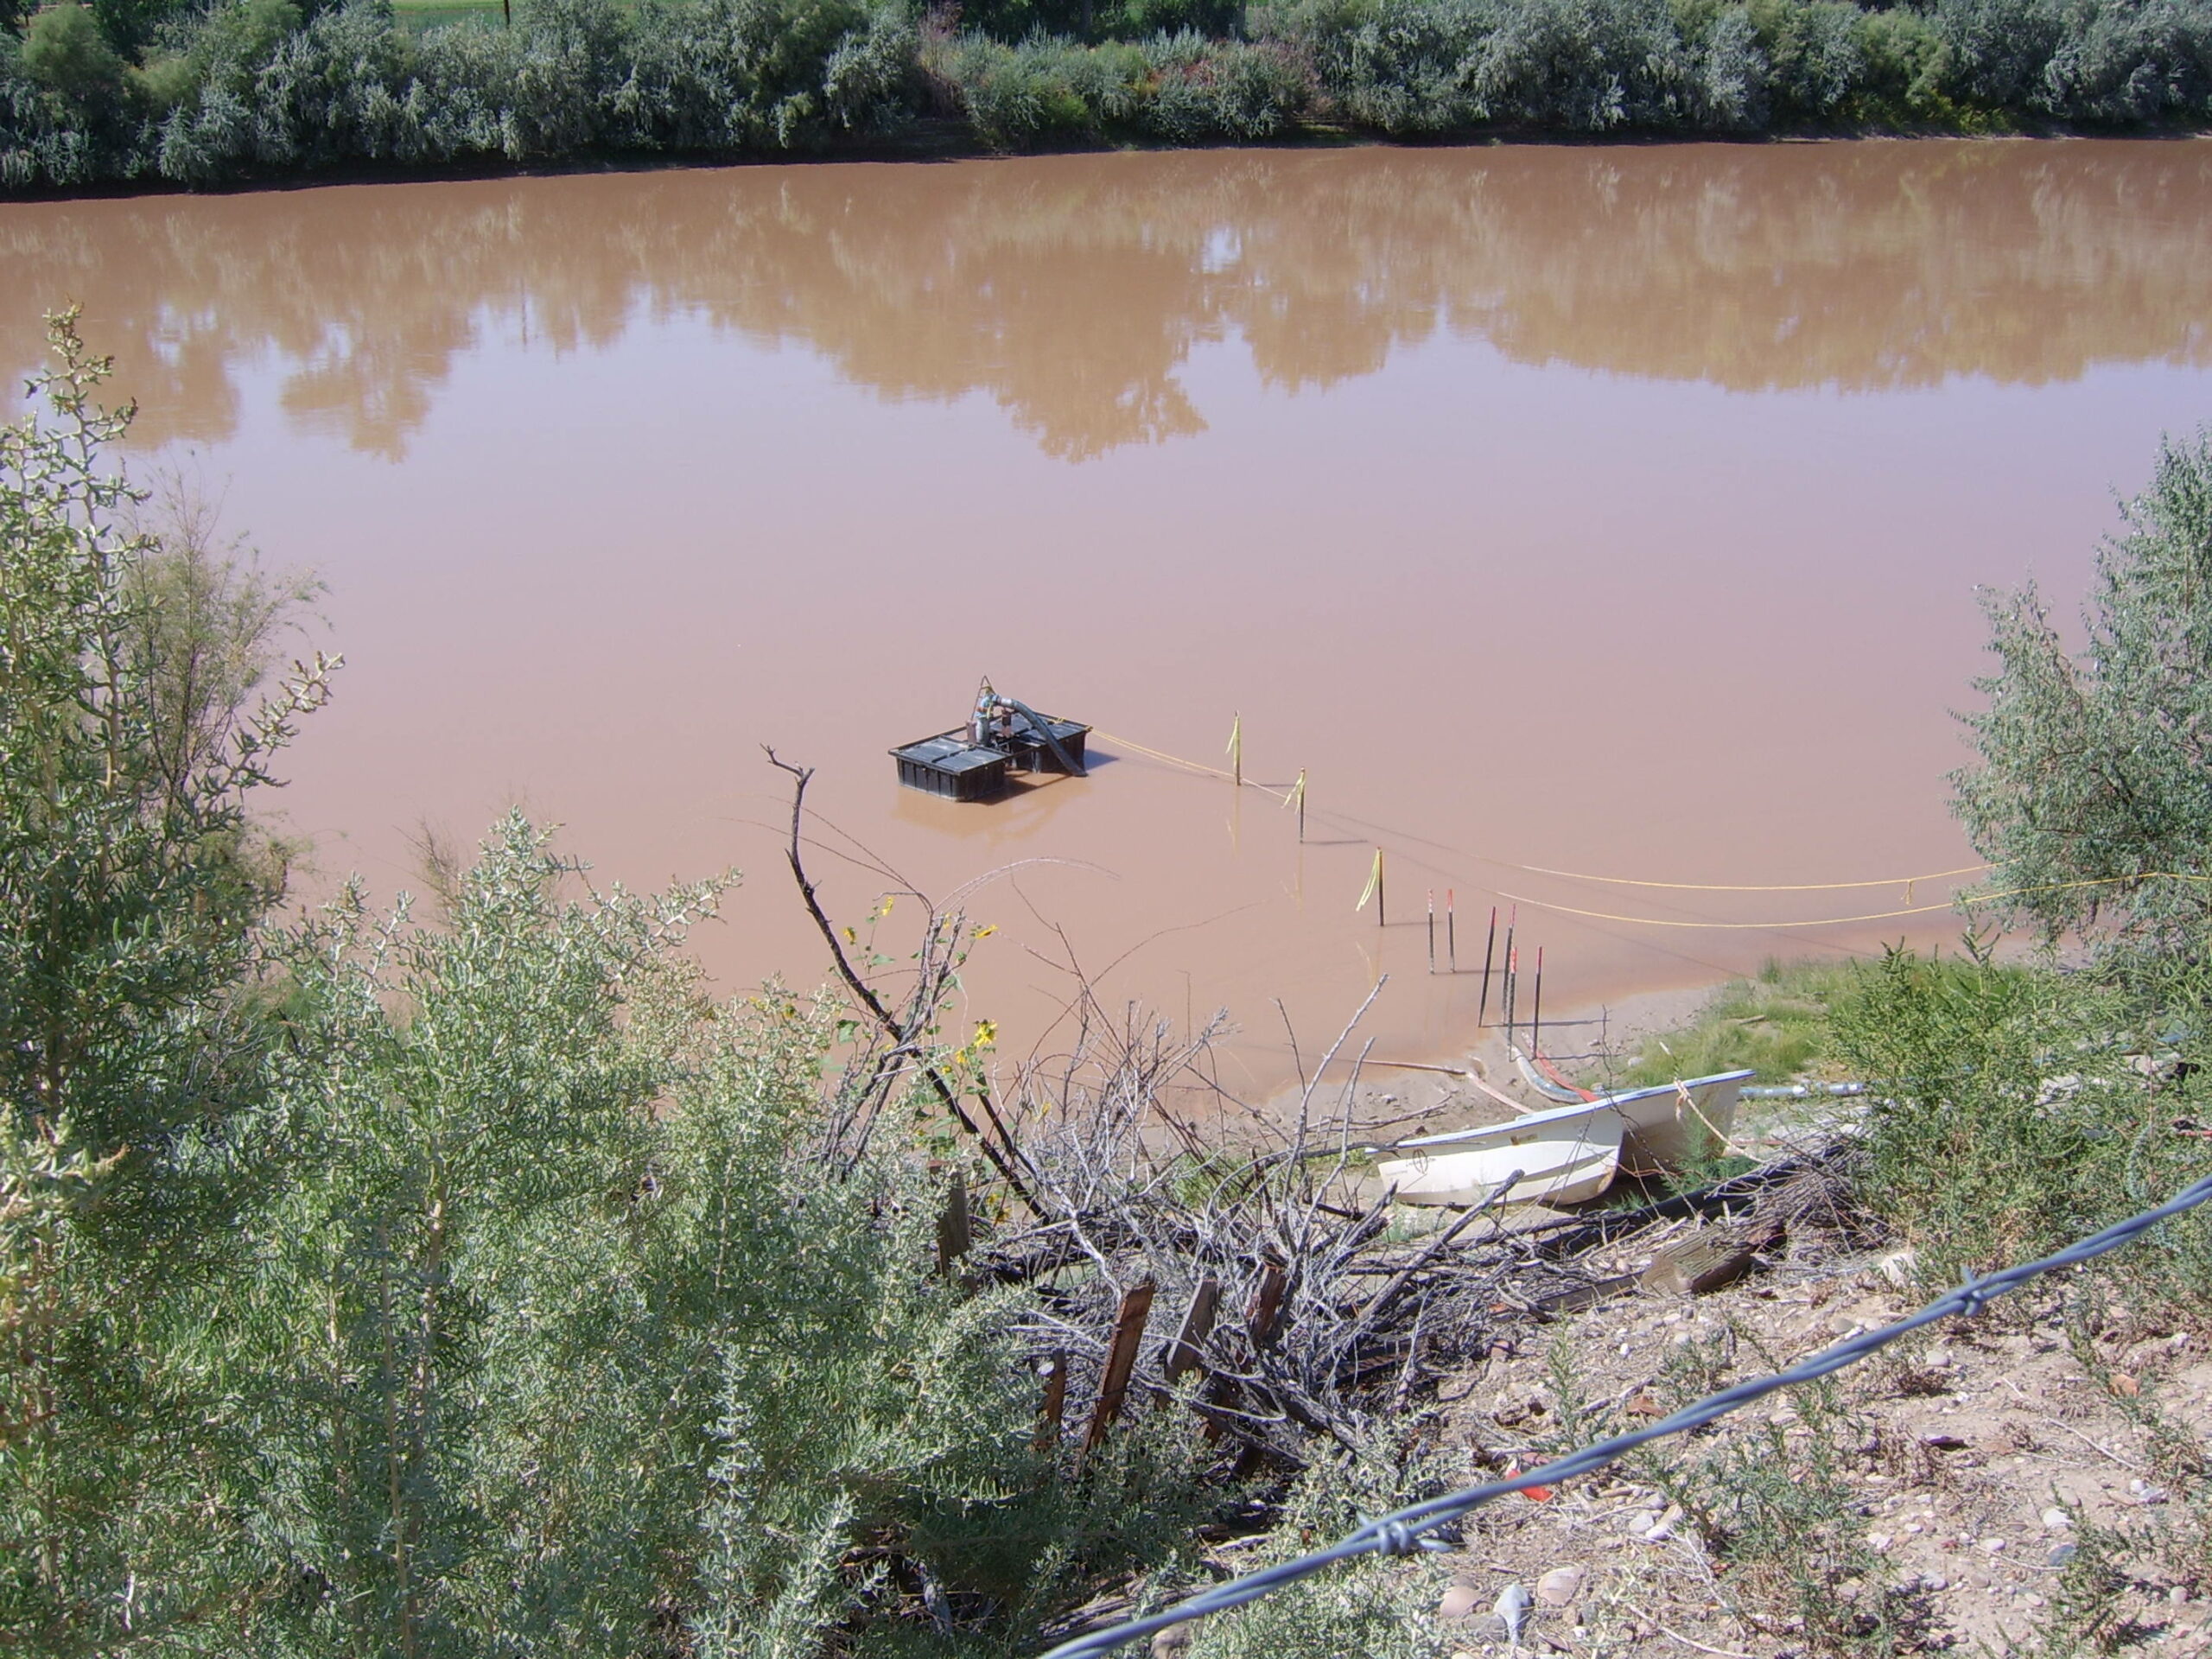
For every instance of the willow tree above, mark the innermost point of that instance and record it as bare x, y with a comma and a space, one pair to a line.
2092, 799
132, 735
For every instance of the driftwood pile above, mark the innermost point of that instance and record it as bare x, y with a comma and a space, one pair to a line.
1272, 1287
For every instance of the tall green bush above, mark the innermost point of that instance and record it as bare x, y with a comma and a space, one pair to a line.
2018, 1109
562, 1335
1015, 20
2127, 66
65, 49
131, 1131
2092, 794
1172, 88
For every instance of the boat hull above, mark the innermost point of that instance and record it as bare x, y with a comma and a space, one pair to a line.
1677, 1124
1562, 1156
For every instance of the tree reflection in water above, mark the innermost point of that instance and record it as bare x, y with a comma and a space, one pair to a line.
1071, 289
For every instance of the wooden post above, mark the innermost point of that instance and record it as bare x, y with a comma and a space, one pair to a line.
1267, 1304
1512, 917
1489, 947
1184, 1352
1055, 1370
1301, 806
1237, 750
1432, 929
954, 1235
1451, 929
1536, 1016
1260, 1326
1121, 1360
1382, 919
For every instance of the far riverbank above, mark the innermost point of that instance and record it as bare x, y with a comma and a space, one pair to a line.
267, 91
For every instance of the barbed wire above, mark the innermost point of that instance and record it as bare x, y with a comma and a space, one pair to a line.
1400, 1532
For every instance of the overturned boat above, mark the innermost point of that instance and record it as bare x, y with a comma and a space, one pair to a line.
1561, 1156
1670, 1125
1665, 1126
1569, 1153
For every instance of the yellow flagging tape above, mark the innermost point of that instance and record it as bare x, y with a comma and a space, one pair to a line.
1905, 881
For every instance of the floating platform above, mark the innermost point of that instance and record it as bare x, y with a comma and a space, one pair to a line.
953, 766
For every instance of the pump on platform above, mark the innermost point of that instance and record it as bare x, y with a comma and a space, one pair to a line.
1002, 736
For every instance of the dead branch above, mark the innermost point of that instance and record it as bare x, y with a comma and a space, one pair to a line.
1004, 1152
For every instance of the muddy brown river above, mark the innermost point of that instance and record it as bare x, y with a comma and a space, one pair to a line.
1611, 511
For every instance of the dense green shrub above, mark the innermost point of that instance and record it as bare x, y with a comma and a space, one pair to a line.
560, 1330
1814, 55
63, 48
1906, 63
1577, 65
43, 141
1997, 49
252, 87
1172, 88
2129, 64
1013, 20
765, 74
2018, 1109
131, 740
2092, 791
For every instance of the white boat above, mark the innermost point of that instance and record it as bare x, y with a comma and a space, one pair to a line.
1563, 1156
1667, 1125
1674, 1124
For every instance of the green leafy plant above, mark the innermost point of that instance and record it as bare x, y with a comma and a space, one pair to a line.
64, 48
130, 1119
2093, 794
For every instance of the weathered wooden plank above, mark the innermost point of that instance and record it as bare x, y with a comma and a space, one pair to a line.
1054, 1410
1183, 1353
1705, 1260
1121, 1361
954, 1233
1267, 1304
1575, 1297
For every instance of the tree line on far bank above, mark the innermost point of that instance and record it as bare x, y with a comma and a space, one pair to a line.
118, 91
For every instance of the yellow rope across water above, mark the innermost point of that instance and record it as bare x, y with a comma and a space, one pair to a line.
1766, 887
1198, 767
1843, 921
1905, 881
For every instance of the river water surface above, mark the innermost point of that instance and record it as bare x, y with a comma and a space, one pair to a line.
1608, 510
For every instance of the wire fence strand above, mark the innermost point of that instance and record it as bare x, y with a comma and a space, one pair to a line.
1400, 1532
